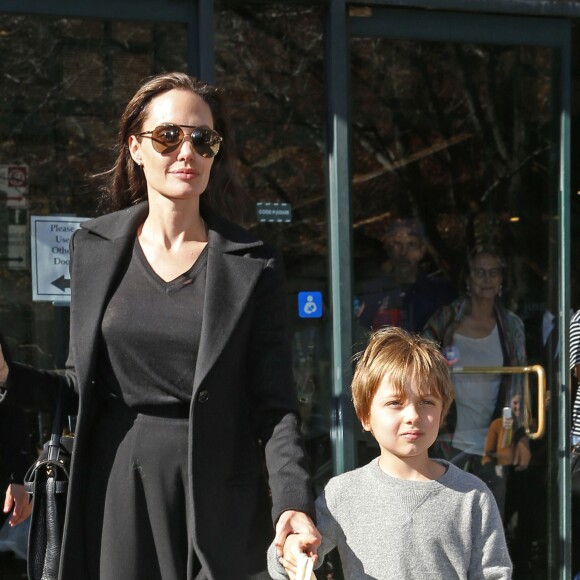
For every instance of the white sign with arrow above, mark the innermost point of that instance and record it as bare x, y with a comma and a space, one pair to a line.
50, 236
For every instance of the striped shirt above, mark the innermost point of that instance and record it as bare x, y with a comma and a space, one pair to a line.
575, 360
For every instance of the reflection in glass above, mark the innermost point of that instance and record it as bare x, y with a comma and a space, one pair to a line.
269, 61
64, 86
481, 332
458, 139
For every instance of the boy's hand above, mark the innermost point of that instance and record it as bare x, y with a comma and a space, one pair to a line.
295, 545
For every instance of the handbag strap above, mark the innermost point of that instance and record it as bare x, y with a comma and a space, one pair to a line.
57, 422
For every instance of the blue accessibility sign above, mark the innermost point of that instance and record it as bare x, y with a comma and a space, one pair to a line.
310, 304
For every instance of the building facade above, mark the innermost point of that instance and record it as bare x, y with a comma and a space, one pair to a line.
457, 116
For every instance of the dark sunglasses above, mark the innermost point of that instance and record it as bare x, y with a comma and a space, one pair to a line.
167, 138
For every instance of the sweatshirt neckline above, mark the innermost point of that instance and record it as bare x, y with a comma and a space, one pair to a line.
417, 485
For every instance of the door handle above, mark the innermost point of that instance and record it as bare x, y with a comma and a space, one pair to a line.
538, 370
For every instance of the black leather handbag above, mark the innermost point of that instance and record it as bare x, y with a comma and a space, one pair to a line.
47, 483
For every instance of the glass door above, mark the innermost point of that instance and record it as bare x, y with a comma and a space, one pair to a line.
279, 136
457, 167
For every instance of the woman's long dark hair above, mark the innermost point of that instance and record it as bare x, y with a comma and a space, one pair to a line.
125, 185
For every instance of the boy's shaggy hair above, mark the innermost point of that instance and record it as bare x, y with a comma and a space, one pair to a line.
407, 359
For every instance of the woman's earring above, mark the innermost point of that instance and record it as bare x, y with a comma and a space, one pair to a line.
500, 290
468, 288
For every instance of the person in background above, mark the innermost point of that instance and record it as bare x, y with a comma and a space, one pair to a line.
478, 331
506, 443
404, 296
575, 433
404, 515
575, 369
179, 364
15, 458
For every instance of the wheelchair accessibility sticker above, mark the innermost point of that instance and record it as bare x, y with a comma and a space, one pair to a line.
310, 304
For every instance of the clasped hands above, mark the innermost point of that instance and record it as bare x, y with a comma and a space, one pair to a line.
295, 534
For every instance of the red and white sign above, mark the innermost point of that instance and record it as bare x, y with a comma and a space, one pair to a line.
14, 185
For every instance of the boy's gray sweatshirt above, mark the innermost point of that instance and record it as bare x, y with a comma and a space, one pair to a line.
393, 529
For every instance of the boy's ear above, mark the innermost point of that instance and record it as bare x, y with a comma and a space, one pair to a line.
366, 424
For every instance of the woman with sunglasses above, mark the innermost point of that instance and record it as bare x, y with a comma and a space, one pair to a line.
479, 331
179, 365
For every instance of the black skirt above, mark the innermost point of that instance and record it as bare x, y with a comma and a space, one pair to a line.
138, 520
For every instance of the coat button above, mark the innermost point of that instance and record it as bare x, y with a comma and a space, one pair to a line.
203, 397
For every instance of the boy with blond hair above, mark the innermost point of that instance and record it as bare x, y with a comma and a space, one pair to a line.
404, 516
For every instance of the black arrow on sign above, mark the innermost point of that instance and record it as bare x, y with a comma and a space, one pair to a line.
61, 283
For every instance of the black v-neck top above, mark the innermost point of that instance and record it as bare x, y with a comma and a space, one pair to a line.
150, 334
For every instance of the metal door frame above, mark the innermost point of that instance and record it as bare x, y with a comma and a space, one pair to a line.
401, 23
196, 14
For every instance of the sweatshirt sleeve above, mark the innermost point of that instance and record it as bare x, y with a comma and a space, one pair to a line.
275, 569
327, 525
490, 557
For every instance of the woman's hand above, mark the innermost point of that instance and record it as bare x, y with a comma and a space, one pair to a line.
507, 424
3, 368
17, 498
295, 522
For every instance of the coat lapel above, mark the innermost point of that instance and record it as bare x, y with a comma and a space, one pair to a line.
96, 263
231, 278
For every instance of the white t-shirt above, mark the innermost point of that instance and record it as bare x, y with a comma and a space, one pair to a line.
476, 395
